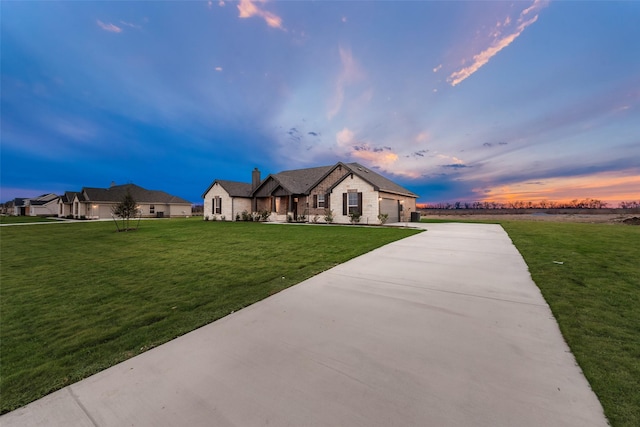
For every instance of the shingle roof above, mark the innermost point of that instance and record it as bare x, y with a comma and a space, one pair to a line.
117, 192
44, 199
235, 188
378, 181
300, 181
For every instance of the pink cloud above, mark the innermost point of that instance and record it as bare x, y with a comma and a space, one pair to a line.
109, 27
499, 42
249, 8
350, 73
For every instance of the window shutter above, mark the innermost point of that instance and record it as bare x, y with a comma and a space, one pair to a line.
315, 201
220, 206
360, 203
326, 201
344, 203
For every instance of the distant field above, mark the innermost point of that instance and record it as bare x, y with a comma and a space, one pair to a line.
595, 297
77, 298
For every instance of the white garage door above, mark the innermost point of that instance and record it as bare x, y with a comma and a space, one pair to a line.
390, 207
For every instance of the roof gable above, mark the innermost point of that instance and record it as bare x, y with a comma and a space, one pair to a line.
233, 188
379, 182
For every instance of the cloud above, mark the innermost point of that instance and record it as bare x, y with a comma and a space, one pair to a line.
249, 8
344, 138
436, 69
499, 42
382, 159
219, 69
131, 25
109, 27
421, 137
349, 73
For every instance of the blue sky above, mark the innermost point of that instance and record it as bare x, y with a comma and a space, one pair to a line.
524, 100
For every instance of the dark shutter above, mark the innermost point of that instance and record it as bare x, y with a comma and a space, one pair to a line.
315, 201
344, 204
360, 203
220, 205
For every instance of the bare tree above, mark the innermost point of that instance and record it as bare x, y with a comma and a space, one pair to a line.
125, 210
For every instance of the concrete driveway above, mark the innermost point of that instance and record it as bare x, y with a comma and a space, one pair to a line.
445, 328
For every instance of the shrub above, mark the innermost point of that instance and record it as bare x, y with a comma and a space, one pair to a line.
246, 216
328, 216
383, 218
354, 217
223, 218
315, 219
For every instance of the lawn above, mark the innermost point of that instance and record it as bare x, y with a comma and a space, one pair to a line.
595, 297
9, 219
76, 298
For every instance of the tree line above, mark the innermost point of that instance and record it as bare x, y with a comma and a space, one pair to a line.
587, 203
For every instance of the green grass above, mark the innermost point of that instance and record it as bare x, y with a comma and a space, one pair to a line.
595, 297
76, 298
4, 219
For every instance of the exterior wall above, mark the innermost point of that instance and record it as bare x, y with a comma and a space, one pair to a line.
323, 188
408, 204
178, 210
369, 201
231, 206
78, 209
50, 209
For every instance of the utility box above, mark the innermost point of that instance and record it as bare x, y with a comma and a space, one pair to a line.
415, 216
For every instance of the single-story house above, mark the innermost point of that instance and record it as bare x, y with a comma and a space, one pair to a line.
97, 203
343, 189
44, 205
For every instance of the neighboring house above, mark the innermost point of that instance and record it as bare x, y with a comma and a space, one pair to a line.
97, 203
44, 205
21, 206
344, 189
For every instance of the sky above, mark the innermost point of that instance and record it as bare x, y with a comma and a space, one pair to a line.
456, 101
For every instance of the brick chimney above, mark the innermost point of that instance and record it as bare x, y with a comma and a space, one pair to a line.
255, 178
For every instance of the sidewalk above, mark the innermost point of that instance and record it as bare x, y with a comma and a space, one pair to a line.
445, 328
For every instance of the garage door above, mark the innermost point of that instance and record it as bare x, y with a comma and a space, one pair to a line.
390, 207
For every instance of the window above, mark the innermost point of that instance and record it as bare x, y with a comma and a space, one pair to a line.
152, 209
351, 202
217, 205
319, 201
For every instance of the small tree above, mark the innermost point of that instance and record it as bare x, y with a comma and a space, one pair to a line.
328, 216
354, 217
125, 210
